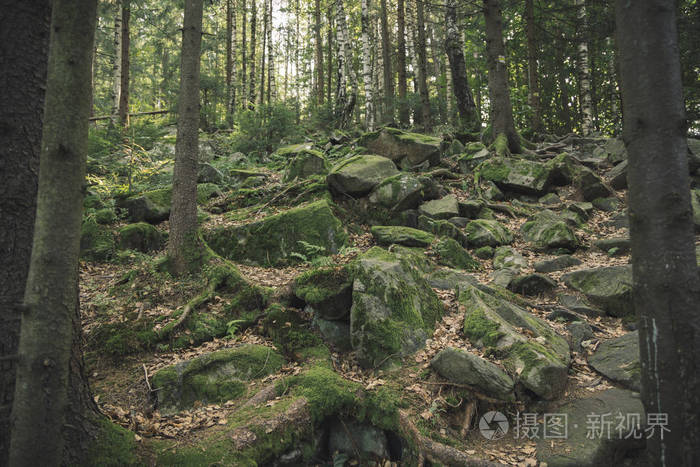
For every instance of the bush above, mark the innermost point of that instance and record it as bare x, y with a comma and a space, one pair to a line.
261, 130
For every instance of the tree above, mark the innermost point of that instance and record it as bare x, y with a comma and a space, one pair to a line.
125, 62
422, 67
468, 118
533, 88
404, 114
584, 69
666, 288
367, 68
318, 47
251, 81
345, 103
47, 337
388, 113
230, 62
184, 243
499, 92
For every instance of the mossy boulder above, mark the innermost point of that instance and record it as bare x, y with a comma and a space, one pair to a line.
358, 175
105, 216
305, 163
214, 377
483, 232
207, 173
517, 175
617, 176
289, 330
556, 264
695, 203
97, 241
394, 309
273, 240
507, 257
442, 228
451, 253
475, 154
462, 367
441, 209
407, 236
535, 355
154, 206
398, 192
618, 360
531, 284
591, 185
327, 290
404, 148
610, 288
549, 231
241, 176
140, 237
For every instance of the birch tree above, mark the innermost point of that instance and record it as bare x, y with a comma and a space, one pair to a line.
404, 111
584, 69
345, 103
367, 67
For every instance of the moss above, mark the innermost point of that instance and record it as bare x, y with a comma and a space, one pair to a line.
140, 236
105, 216
452, 254
387, 235
318, 285
484, 252
477, 327
531, 354
500, 145
483, 232
288, 330
495, 170
96, 241
113, 446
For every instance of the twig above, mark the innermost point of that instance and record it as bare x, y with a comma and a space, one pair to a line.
467, 421
145, 373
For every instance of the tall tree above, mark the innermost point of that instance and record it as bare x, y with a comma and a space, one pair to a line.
244, 51
24, 41
533, 88
263, 53
251, 81
125, 62
422, 67
584, 69
318, 48
230, 62
468, 118
367, 67
404, 111
666, 287
41, 398
345, 103
329, 60
270, 56
499, 92
388, 113
184, 242
117, 60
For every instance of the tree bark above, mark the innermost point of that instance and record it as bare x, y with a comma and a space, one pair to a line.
533, 94
117, 60
270, 57
499, 92
263, 54
230, 33
244, 51
251, 81
584, 69
51, 296
329, 64
426, 119
125, 63
345, 103
319, 53
367, 68
404, 111
183, 240
388, 113
468, 117
666, 287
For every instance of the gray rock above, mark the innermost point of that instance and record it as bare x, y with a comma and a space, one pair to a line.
460, 222
443, 208
492, 192
617, 177
608, 287
616, 151
610, 204
503, 277
407, 236
507, 257
614, 246
618, 360
550, 199
335, 333
579, 306
207, 173
450, 279
462, 367
516, 175
470, 208
328, 291
547, 230
357, 175
531, 284
557, 264
579, 331
591, 185
399, 192
358, 439
410, 148
483, 232
305, 163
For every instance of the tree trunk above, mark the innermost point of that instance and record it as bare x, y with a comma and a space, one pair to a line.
388, 113
404, 111
125, 43
251, 81
244, 52
422, 68
229, 62
533, 94
666, 289
51, 297
24, 41
183, 212
468, 117
411, 45
499, 92
329, 87
117, 60
344, 103
270, 57
319, 53
584, 70
263, 53
367, 67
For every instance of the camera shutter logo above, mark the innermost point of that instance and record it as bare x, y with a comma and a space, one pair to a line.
493, 425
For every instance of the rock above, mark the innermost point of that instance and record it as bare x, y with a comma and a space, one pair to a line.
583, 209
460, 222
442, 229
550, 199
357, 175
398, 192
618, 360
450, 279
579, 331
450, 253
617, 177
241, 176
614, 246
484, 252
290, 151
531, 284
441, 209
506, 257
237, 158
105, 216
154, 206
140, 237
693, 155
591, 185
358, 440
476, 153
462, 367
335, 333
456, 147
482, 232
305, 163
602, 446
407, 236
274, 239
610, 204
96, 241
327, 290
579, 306
213, 377
470, 208
408, 149
619, 221
557, 264
538, 360
503, 277
608, 287
616, 151
207, 173
394, 309
547, 230
695, 204
517, 175
492, 192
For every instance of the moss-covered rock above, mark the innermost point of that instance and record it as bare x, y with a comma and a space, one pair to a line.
547, 230
518, 175
483, 232
450, 253
327, 290
305, 163
443, 208
140, 236
531, 284
398, 192
105, 216
408, 149
475, 154
695, 203
207, 173
507, 257
154, 206
484, 252
442, 228
394, 309
214, 377
273, 240
290, 332
462, 367
591, 185
97, 241
357, 175
608, 287
407, 236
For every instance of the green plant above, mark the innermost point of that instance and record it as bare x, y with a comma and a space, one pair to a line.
233, 326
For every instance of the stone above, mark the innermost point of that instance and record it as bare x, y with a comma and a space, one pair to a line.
275, 239
591, 185
492, 192
440, 209
450, 279
305, 163
484, 252
547, 230
460, 367
154, 206
614, 246
583, 209
450, 253
241, 176
557, 264
97, 241
610, 204
531, 284
617, 176
140, 237
398, 192
550, 199
503, 277
618, 359
207, 173
516, 175
213, 377
470, 208
358, 440
482, 232
579, 331
334, 333
475, 154
327, 290
603, 448
580, 306
695, 204
105, 216
616, 151
410, 149
407, 236
394, 309
442, 228
358, 175
608, 287
507, 257
460, 222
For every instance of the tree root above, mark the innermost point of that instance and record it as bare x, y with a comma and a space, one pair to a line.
297, 415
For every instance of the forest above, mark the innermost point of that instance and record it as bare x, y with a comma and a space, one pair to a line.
350, 233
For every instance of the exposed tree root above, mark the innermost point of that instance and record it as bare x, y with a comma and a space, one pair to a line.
295, 417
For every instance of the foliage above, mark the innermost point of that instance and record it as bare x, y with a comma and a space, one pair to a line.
259, 131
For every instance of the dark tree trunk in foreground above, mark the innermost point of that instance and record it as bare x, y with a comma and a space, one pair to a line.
183, 241
51, 298
499, 93
468, 117
24, 42
666, 284
404, 110
422, 67
533, 88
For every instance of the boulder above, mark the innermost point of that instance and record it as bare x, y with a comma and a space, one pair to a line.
242, 176
470, 208
608, 287
140, 237
450, 253
335, 333
579, 331
531, 284
460, 367
615, 150
695, 204
154, 206
507, 257
407, 236
450, 279
404, 148
476, 153
614, 246
557, 264
361, 441
327, 290
443, 208
394, 309
442, 228
517, 175
618, 359
610, 204
275, 239
305, 163
97, 241
398, 192
357, 175
482, 232
547, 230
617, 177
207, 173
591, 185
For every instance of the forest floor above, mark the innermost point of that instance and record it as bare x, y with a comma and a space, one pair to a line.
441, 409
